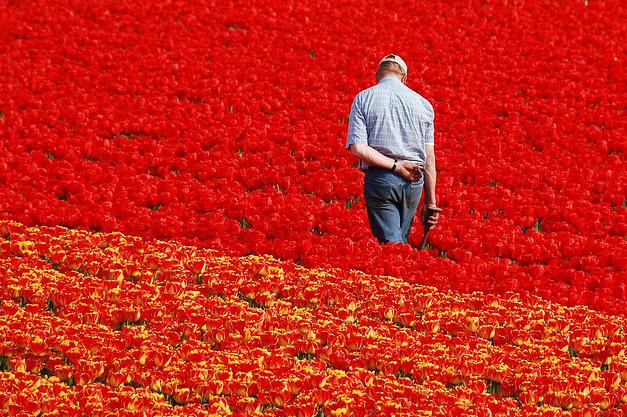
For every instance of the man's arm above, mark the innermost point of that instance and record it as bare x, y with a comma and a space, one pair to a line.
430, 210
407, 170
430, 176
371, 156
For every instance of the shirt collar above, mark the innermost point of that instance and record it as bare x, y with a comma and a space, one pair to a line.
389, 78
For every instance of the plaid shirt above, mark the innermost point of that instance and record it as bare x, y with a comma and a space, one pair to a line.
393, 119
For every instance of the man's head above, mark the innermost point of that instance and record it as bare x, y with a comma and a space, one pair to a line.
392, 65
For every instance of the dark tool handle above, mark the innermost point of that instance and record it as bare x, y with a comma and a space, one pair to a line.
423, 242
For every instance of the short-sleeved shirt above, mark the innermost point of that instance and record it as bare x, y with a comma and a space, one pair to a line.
393, 119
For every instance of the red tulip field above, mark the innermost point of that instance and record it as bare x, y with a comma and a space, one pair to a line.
183, 232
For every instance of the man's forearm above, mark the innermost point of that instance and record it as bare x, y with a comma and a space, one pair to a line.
372, 156
430, 177
430, 180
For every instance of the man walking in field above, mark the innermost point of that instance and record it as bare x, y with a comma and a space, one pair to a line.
391, 132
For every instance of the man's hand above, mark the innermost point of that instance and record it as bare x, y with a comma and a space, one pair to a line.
430, 215
409, 170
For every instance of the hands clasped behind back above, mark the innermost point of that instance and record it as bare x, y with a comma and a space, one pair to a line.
411, 171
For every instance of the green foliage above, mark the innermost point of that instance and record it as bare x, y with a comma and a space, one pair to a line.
401, 374
572, 352
251, 302
129, 323
305, 356
350, 202
243, 222
537, 226
170, 399
493, 387
51, 306
4, 364
127, 135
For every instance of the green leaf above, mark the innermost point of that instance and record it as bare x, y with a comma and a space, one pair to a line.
350, 202
4, 364
572, 352
51, 306
538, 225
252, 303
401, 374
305, 356
493, 387
243, 222
128, 323
127, 135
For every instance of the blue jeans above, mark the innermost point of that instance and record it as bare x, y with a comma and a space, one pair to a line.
391, 203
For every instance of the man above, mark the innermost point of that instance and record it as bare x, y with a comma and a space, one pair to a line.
391, 132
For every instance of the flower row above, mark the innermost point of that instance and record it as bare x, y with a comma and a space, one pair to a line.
183, 327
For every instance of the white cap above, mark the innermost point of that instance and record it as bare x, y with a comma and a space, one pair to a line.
397, 59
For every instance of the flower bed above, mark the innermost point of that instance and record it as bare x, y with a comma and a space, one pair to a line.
224, 128
107, 323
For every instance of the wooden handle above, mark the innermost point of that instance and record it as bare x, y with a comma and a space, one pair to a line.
423, 242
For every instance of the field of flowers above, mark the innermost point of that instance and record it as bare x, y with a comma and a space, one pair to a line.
107, 324
218, 128
223, 125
